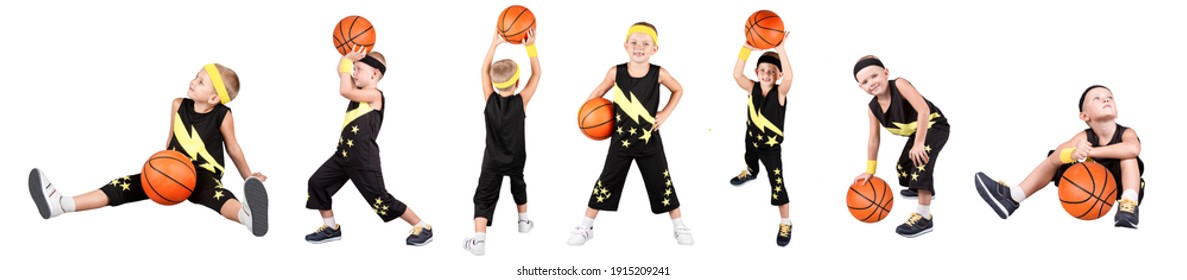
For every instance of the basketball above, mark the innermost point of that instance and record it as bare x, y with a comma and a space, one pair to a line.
596, 118
514, 23
168, 177
870, 202
764, 30
353, 31
1087, 190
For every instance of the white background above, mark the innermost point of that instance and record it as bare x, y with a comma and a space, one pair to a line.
87, 87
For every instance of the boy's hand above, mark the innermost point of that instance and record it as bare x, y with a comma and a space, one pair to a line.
918, 155
260, 176
748, 46
660, 118
863, 177
786, 34
1083, 148
356, 53
498, 39
530, 38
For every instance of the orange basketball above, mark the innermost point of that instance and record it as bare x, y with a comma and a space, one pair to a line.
168, 177
764, 30
1087, 190
870, 202
596, 118
514, 23
353, 31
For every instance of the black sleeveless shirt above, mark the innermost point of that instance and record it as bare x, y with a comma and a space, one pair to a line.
765, 121
901, 118
504, 130
198, 136
636, 101
356, 143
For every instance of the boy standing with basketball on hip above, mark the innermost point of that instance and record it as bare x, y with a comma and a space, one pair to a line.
900, 108
636, 136
767, 106
357, 157
505, 152
1114, 146
201, 127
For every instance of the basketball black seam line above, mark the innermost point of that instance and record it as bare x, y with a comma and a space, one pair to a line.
530, 25
351, 39
154, 167
151, 187
878, 203
341, 33
1091, 194
595, 109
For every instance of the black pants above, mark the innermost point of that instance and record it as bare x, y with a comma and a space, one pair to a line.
772, 158
333, 174
920, 177
653, 164
208, 190
486, 196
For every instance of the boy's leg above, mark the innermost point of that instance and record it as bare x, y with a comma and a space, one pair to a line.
51, 203
773, 160
1005, 199
252, 213
904, 169
323, 184
1132, 188
519, 192
387, 207
661, 191
486, 197
922, 181
606, 194
751, 158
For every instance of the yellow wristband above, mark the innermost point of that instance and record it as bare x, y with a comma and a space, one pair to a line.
346, 66
1065, 156
531, 50
744, 54
871, 166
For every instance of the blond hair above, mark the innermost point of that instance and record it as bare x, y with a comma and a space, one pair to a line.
502, 71
230, 80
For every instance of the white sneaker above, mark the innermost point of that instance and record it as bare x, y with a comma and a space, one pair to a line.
526, 225
254, 211
683, 236
581, 235
47, 198
475, 246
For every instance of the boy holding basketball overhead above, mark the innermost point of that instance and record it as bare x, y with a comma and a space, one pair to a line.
903, 111
1114, 146
201, 126
767, 106
505, 152
636, 136
357, 156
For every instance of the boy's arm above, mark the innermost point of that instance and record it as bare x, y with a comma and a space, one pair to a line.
784, 61
1079, 144
677, 91
228, 130
872, 145
1129, 147
918, 151
606, 84
487, 86
176, 104
529, 89
346, 86
739, 76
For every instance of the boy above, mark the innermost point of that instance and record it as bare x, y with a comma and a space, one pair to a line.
357, 156
201, 127
505, 150
899, 107
636, 138
767, 107
1106, 142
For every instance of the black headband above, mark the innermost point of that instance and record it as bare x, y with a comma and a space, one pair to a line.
866, 63
371, 61
771, 60
1082, 95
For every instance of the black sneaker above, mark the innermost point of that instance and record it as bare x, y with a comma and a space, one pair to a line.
419, 236
996, 194
909, 193
915, 226
784, 235
1127, 214
325, 234
744, 177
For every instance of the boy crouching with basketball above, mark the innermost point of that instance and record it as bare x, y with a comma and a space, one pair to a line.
636, 137
201, 127
505, 152
1114, 146
356, 158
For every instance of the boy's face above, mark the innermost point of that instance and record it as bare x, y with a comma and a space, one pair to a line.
640, 47
1098, 104
872, 80
364, 75
202, 89
767, 73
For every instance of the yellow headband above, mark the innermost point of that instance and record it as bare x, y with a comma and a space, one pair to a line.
217, 80
510, 82
645, 30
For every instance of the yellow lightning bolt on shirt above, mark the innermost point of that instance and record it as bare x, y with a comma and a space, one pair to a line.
908, 129
632, 107
761, 121
192, 144
351, 115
